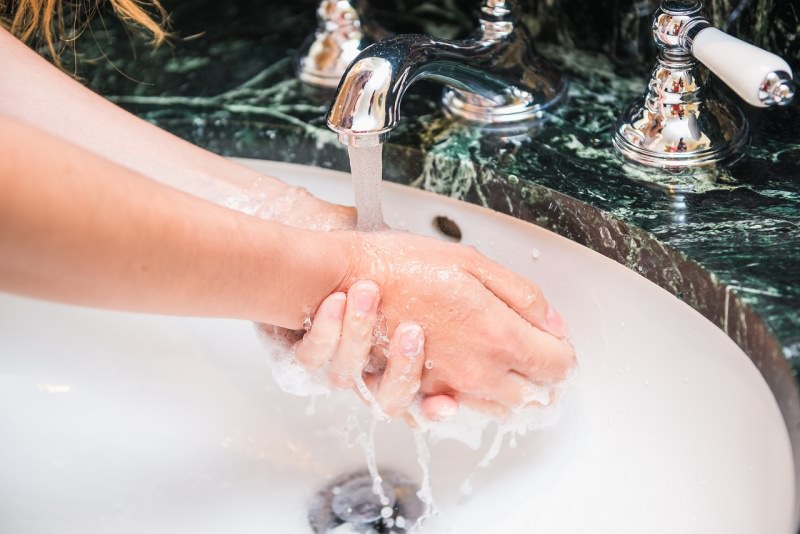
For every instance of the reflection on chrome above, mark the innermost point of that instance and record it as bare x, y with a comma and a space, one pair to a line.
495, 77
681, 121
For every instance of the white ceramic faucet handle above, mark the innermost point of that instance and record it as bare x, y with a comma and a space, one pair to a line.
761, 78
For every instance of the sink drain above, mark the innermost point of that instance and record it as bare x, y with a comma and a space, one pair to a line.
348, 504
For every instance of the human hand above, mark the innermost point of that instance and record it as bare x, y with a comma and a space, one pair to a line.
338, 349
491, 336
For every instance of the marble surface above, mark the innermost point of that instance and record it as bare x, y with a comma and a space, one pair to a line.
730, 250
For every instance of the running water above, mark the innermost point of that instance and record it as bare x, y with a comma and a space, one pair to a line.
467, 427
367, 169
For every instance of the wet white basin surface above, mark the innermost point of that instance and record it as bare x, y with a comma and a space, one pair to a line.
115, 422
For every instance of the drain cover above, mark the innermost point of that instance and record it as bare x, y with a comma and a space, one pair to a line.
348, 504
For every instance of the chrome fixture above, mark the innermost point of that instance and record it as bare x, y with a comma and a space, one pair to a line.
495, 77
681, 121
344, 29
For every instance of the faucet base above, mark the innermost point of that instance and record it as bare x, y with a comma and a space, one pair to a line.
680, 121
519, 106
642, 136
342, 33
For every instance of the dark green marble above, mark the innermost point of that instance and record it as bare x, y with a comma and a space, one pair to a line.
731, 250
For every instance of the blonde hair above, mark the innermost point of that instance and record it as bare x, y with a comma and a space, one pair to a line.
44, 21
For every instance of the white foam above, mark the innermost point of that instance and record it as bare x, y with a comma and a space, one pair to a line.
290, 376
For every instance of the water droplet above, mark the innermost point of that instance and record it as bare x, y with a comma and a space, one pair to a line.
535, 254
386, 512
429, 364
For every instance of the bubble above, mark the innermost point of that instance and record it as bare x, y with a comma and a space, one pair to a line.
429, 364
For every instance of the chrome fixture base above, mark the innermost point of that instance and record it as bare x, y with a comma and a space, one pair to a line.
681, 121
343, 31
496, 77
517, 106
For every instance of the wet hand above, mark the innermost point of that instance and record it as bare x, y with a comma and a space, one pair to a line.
491, 336
341, 345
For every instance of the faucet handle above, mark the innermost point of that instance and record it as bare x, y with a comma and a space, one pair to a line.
761, 78
680, 121
344, 29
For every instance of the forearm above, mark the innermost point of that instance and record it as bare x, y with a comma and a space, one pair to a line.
80, 229
34, 91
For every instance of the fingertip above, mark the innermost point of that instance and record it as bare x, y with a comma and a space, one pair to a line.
366, 295
333, 307
411, 339
439, 408
555, 322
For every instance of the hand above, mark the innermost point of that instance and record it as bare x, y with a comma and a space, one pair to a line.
339, 346
491, 336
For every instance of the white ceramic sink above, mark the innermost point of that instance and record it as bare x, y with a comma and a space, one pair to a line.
115, 422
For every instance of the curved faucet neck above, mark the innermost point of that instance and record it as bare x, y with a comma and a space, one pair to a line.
496, 77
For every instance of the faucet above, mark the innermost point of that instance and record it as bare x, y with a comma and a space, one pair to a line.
344, 28
680, 121
496, 77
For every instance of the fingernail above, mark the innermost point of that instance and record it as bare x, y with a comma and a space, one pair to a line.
555, 323
411, 340
336, 305
366, 296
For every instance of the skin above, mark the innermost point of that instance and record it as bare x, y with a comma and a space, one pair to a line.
91, 224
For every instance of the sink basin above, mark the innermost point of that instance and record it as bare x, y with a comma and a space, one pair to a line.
118, 422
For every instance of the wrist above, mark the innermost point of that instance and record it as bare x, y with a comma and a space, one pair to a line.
311, 265
298, 208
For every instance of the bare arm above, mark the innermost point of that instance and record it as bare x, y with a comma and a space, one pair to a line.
36, 92
78, 228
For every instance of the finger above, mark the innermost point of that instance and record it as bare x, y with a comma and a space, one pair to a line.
544, 358
355, 343
521, 295
439, 407
481, 404
405, 360
536, 355
516, 391
318, 346
500, 411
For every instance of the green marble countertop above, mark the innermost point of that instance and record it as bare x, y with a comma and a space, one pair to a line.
732, 251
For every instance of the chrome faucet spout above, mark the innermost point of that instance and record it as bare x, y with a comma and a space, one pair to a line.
495, 77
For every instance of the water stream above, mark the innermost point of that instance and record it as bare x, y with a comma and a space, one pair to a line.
367, 169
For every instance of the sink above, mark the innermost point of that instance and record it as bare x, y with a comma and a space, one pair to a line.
131, 423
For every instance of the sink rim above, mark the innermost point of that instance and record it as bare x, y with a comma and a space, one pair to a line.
768, 358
